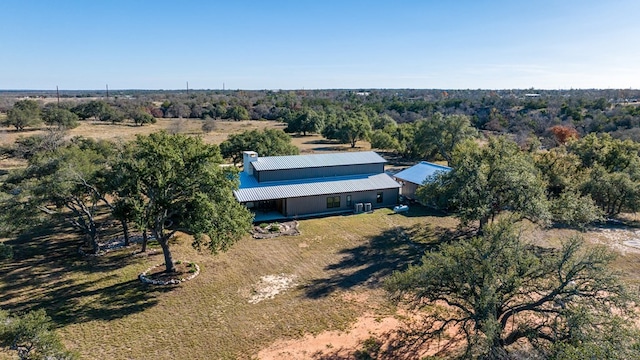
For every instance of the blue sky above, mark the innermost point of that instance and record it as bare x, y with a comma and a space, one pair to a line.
158, 44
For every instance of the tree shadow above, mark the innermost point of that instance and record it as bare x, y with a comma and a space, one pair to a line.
369, 264
418, 210
13, 130
392, 250
39, 277
396, 344
319, 141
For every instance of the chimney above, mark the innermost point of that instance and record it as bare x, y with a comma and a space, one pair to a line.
247, 158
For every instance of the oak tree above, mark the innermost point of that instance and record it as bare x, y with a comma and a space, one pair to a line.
184, 188
267, 142
493, 291
68, 182
24, 113
441, 134
487, 181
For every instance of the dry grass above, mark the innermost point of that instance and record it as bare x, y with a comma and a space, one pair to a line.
127, 131
104, 312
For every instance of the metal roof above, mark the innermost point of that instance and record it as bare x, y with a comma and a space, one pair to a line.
316, 160
418, 173
252, 190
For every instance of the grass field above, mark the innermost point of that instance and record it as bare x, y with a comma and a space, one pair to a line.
104, 312
128, 131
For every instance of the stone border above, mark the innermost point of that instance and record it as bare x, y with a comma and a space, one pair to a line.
146, 280
113, 244
290, 229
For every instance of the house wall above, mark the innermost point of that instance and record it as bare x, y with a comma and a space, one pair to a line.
318, 204
409, 189
318, 172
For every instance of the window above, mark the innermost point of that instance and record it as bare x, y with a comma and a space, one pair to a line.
333, 202
379, 197
349, 200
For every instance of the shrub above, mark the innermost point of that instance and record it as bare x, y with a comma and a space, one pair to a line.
6, 251
32, 336
209, 125
370, 349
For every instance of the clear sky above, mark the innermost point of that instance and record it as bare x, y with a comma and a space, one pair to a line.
263, 44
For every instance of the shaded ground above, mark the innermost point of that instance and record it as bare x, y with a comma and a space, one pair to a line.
367, 264
39, 278
103, 311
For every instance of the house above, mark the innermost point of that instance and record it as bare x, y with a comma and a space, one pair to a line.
308, 185
415, 176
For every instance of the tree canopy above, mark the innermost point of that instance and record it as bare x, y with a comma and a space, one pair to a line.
495, 290
59, 116
488, 180
68, 181
32, 336
24, 113
267, 142
305, 121
613, 172
348, 127
441, 134
183, 188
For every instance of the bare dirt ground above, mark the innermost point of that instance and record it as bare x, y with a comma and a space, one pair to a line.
334, 344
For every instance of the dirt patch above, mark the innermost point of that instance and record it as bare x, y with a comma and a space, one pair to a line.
622, 240
389, 335
271, 285
338, 344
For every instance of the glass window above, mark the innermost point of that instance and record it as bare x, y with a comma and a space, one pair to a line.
379, 197
333, 202
349, 200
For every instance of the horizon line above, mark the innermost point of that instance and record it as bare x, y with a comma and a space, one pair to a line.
318, 89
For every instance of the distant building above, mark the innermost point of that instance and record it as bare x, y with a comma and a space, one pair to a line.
307, 185
415, 176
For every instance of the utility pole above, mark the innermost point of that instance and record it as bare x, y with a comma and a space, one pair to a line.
107, 91
58, 93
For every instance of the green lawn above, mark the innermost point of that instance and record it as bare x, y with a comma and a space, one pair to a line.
103, 311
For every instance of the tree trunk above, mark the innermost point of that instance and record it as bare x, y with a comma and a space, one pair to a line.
168, 259
125, 230
93, 236
145, 238
93, 241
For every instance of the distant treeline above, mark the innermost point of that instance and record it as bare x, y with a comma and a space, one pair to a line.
522, 113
